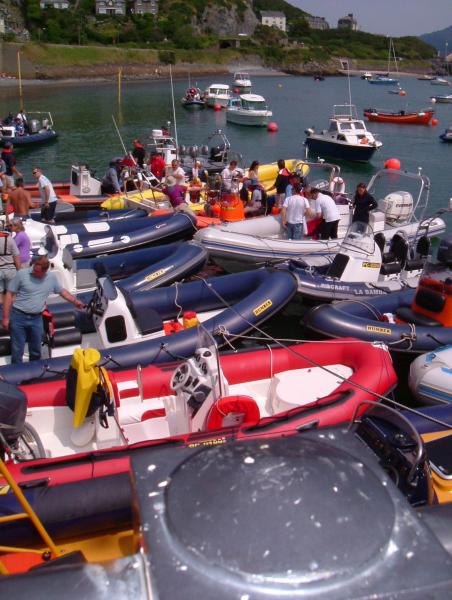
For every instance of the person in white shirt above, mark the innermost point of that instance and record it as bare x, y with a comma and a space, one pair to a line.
230, 177
327, 210
294, 211
176, 171
48, 196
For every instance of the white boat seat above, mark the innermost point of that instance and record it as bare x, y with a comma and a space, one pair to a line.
86, 278
302, 387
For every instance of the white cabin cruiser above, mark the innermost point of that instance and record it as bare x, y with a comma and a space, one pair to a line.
217, 93
242, 81
248, 109
347, 137
402, 202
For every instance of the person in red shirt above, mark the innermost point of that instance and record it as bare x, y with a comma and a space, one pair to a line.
157, 164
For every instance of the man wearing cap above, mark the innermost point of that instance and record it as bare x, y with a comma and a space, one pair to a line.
24, 303
176, 193
48, 196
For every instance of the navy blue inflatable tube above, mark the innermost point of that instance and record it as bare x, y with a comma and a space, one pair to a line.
149, 267
255, 296
85, 230
360, 319
440, 412
83, 215
158, 230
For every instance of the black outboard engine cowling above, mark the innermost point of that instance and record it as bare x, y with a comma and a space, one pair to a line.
13, 409
445, 251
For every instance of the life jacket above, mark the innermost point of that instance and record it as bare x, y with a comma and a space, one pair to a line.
5, 251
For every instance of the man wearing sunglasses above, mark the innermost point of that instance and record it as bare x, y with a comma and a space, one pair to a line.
24, 303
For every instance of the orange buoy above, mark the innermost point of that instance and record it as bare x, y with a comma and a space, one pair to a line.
272, 126
216, 210
217, 107
434, 122
402, 93
392, 163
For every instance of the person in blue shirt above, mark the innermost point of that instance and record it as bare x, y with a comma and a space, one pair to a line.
24, 303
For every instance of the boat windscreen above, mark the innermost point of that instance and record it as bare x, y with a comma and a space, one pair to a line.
359, 238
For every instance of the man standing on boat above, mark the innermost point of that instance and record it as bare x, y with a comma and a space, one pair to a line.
230, 177
25, 301
327, 210
48, 196
363, 203
10, 163
294, 212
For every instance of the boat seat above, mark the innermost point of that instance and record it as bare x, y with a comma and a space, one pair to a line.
65, 337
414, 264
86, 278
5, 346
407, 315
398, 250
390, 268
232, 410
148, 320
338, 265
430, 300
380, 240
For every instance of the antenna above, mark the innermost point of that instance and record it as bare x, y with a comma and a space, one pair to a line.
174, 108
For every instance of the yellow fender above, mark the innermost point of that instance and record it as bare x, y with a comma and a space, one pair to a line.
85, 364
119, 201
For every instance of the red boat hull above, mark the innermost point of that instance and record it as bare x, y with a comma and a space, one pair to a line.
372, 370
420, 118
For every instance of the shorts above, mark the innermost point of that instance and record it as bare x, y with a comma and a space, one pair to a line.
48, 212
5, 277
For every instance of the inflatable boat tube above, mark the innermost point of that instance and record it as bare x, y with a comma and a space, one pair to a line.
146, 267
158, 230
364, 319
250, 298
430, 377
85, 215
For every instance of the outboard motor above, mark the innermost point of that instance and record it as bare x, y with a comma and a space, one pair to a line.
13, 409
444, 255
398, 207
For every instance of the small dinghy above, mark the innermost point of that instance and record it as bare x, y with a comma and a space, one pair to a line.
401, 117
204, 393
151, 266
414, 321
361, 269
38, 130
402, 197
147, 326
430, 377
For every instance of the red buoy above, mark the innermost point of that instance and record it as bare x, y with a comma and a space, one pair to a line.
402, 93
434, 122
236, 90
392, 163
217, 107
272, 126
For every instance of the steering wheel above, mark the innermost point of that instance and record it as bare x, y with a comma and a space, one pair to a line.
180, 377
93, 308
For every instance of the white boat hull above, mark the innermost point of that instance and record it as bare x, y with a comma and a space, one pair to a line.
261, 241
257, 118
431, 376
220, 100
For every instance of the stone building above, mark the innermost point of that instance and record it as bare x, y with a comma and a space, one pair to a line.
274, 18
111, 7
348, 22
316, 22
146, 7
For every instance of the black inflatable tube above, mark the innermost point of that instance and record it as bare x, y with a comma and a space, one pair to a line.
257, 296
72, 509
83, 215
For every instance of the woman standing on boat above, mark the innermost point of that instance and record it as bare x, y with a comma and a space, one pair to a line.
363, 203
281, 183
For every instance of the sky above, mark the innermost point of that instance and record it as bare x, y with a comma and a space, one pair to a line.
388, 17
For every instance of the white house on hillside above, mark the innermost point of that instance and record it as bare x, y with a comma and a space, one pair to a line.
316, 22
61, 4
110, 7
274, 18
